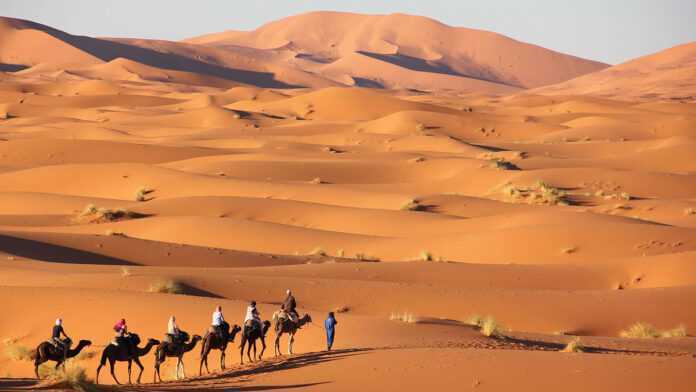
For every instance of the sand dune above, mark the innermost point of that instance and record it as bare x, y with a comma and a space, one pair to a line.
234, 166
666, 75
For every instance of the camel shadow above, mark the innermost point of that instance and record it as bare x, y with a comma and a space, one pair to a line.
270, 366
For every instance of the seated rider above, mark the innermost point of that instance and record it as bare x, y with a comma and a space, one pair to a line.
173, 331
122, 336
253, 317
289, 306
56, 340
218, 321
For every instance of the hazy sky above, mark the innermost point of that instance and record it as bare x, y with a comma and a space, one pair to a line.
607, 30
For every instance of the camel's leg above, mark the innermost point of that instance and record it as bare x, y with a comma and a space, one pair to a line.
255, 357
263, 347
292, 336
180, 365
222, 359
204, 358
140, 365
96, 380
249, 344
130, 363
276, 346
111, 365
157, 371
241, 350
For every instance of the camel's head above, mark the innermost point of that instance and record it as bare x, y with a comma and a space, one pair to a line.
196, 338
266, 326
153, 342
307, 318
85, 343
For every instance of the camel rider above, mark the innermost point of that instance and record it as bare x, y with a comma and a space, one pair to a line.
253, 317
218, 321
55, 337
289, 306
173, 331
121, 336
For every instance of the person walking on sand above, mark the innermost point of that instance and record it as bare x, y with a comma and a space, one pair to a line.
330, 325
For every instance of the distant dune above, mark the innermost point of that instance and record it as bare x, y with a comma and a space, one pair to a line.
319, 49
669, 74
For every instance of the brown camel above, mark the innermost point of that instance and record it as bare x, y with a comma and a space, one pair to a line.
250, 335
214, 342
121, 353
48, 352
287, 326
166, 349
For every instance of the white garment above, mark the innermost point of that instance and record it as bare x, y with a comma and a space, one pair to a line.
172, 328
252, 314
217, 319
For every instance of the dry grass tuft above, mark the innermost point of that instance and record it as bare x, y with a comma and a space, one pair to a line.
73, 377
17, 352
95, 214
125, 272
142, 192
365, 257
569, 250
318, 251
317, 181
574, 346
690, 211
403, 317
678, 332
425, 256
643, 330
342, 309
487, 325
410, 205
540, 193
168, 286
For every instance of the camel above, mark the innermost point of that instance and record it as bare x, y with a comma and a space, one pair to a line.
251, 336
214, 342
46, 351
287, 326
165, 350
120, 353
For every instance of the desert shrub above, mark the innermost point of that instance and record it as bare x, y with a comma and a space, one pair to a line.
365, 257
342, 309
410, 205
72, 377
640, 330
100, 214
474, 320
340, 253
317, 181
574, 346
168, 286
141, 193
678, 332
426, 256
569, 250
125, 272
690, 211
17, 352
318, 251
403, 317
540, 193
420, 127
490, 327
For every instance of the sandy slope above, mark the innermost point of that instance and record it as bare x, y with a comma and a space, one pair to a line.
666, 75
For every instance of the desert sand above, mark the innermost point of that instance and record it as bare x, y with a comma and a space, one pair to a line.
406, 184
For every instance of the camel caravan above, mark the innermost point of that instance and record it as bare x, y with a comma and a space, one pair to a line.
125, 347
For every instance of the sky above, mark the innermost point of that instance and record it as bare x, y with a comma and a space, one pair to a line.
611, 31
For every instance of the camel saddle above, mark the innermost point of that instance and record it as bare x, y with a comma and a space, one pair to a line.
284, 315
